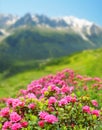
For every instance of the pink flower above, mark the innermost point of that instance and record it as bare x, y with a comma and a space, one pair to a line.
17, 103
24, 124
96, 112
72, 125
16, 126
55, 88
24, 92
48, 117
31, 106
52, 100
63, 102
14, 102
51, 119
87, 78
14, 117
44, 90
31, 95
7, 125
43, 114
68, 98
79, 77
73, 99
97, 79
65, 89
5, 112
71, 89
86, 109
85, 88
95, 103
41, 123
9, 101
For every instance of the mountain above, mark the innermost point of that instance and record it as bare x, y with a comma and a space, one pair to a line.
39, 43
7, 20
39, 37
82, 27
1, 33
40, 20
43, 20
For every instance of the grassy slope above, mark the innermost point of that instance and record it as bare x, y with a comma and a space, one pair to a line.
86, 62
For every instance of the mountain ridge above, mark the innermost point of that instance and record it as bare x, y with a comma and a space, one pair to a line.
83, 27
38, 37
64, 21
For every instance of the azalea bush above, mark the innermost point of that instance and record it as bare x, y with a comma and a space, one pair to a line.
65, 101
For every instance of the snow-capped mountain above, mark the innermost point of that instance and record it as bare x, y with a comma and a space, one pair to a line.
81, 26
7, 20
40, 37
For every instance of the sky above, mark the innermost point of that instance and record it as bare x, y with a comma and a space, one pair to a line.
86, 9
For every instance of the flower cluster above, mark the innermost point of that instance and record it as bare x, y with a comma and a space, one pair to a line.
46, 117
13, 121
62, 101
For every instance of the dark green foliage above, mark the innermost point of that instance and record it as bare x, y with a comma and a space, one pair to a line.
31, 44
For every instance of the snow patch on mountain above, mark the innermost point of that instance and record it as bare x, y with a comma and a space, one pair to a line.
80, 26
12, 21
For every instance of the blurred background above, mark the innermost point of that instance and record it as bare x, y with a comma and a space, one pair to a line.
41, 37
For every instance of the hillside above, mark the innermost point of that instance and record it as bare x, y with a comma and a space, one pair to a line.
85, 62
29, 44
26, 40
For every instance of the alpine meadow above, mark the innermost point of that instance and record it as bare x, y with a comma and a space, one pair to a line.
50, 72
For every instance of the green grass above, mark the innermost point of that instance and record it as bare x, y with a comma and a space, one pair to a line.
11, 85
85, 63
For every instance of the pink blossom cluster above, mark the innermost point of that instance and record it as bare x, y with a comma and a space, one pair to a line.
14, 120
87, 109
48, 117
47, 97
14, 102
